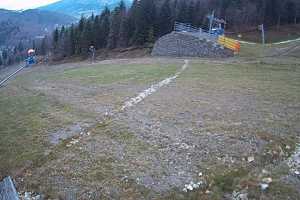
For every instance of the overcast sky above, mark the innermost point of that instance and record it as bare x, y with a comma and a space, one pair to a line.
23, 4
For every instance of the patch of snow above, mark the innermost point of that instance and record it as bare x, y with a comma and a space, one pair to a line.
264, 186
267, 180
191, 186
294, 161
243, 195
74, 141
245, 42
282, 42
30, 196
287, 41
250, 159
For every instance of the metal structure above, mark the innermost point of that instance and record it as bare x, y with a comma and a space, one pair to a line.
8, 190
211, 21
212, 35
212, 32
198, 32
29, 61
216, 25
262, 29
11, 75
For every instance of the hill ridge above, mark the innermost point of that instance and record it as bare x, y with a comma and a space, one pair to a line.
77, 8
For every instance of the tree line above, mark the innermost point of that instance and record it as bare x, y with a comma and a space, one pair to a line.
146, 20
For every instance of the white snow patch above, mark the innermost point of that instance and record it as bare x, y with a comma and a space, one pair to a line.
191, 186
282, 42
294, 161
153, 88
245, 42
287, 41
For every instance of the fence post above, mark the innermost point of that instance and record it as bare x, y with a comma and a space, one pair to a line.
200, 33
262, 29
263, 33
211, 20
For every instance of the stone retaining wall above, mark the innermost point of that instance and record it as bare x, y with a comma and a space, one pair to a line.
179, 44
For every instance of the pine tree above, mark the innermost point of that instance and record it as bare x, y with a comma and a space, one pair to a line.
151, 17
131, 20
72, 40
199, 15
10, 60
76, 40
44, 46
183, 14
165, 21
33, 44
88, 33
55, 37
80, 36
105, 25
66, 43
144, 20
96, 31
115, 25
20, 47
151, 37
4, 56
123, 33
191, 12
56, 43
81, 24
62, 31
123, 38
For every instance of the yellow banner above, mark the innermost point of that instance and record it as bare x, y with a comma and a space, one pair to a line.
229, 43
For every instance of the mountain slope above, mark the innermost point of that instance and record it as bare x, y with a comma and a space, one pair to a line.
76, 8
15, 26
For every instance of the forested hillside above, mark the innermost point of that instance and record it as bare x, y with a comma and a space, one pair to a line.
147, 20
77, 8
18, 30
16, 26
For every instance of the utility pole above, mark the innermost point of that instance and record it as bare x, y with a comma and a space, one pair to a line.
211, 20
262, 28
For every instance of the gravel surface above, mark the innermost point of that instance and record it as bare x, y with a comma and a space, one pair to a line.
214, 117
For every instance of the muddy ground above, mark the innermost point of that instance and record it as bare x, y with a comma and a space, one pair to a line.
220, 130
